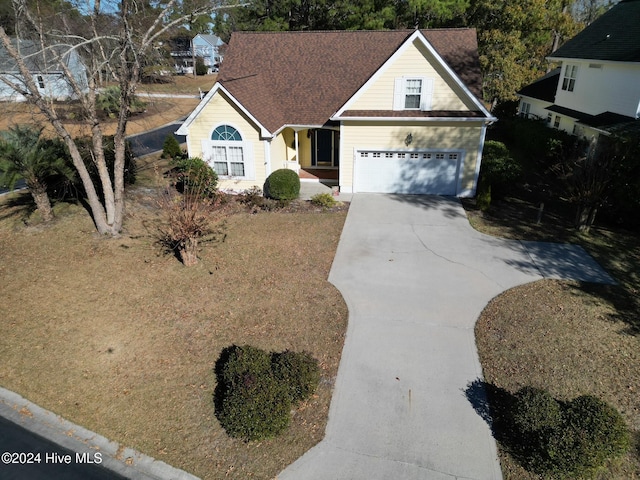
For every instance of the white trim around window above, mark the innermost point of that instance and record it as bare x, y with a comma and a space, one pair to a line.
569, 78
413, 93
229, 155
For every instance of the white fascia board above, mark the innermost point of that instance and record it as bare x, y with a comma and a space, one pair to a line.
489, 119
407, 44
295, 127
183, 130
590, 60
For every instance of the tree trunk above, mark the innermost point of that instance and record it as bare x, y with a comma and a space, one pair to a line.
42, 204
585, 216
188, 252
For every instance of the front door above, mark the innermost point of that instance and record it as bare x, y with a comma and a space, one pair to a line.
325, 146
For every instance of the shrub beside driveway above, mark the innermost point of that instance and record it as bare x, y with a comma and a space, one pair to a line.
566, 337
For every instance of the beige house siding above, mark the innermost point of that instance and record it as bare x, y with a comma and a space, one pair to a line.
416, 61
465, 137
221, 111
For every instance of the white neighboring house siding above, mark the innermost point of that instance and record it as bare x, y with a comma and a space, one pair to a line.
536, 109
602, 86
51, 84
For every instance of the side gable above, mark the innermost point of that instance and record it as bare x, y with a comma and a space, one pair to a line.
446, 94
220, 91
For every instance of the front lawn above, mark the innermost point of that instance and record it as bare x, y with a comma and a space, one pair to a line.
118, 337
567, 337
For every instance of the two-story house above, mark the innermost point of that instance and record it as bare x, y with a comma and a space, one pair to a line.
596, 89
185, 51
381, 111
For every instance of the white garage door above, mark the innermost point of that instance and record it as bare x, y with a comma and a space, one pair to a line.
434, 173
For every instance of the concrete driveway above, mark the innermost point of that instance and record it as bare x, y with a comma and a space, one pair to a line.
416, 277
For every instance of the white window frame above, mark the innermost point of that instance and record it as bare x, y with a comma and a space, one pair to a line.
569, 78
230, 148
401, 91
556, 121
525, 109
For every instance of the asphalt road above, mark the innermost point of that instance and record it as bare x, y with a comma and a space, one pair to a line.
48, 460
149, 142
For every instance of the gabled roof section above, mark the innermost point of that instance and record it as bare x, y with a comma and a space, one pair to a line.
465, 62
544, 88
614, 36
210, 39
302, 78
33, 57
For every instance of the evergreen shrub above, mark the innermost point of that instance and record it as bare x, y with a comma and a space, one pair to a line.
324, 200
299, 371
257, 389
283, 185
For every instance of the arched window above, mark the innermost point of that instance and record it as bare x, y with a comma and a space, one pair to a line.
226, 133
228, 151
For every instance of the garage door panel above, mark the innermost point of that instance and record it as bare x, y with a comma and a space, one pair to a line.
433, 173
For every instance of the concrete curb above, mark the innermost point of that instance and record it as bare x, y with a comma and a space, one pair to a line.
115, 457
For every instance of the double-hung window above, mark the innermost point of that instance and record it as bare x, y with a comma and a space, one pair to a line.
413, 93
228, 152
569, 79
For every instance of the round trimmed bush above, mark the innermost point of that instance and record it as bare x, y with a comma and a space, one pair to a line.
244, 360
282, 184
536, 411
254, 404
255, 407
593, 431
299, 371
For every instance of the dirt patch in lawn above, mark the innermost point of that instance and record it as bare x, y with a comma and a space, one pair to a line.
567, 337
122, 339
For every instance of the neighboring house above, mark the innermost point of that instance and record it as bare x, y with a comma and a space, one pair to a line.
387, 111
207, 47
46, 71
597, 87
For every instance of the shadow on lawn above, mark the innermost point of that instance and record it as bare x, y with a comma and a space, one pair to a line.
626, 306
494, 405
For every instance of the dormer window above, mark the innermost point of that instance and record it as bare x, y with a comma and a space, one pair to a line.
569, 79
413, 93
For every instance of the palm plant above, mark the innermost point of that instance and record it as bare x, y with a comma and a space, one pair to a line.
24, 154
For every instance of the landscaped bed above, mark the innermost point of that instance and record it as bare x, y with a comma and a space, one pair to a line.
119, 337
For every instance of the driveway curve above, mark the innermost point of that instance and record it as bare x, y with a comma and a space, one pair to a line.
416, 276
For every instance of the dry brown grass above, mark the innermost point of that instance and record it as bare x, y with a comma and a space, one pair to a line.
567, 337
159, 111
122, 339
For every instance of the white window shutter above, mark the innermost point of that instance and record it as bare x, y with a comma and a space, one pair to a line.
249, 161
398, 94
426, 98
206, 151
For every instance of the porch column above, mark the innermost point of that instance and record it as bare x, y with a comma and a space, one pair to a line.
295, 141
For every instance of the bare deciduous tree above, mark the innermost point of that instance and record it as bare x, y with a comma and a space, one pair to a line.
113, 39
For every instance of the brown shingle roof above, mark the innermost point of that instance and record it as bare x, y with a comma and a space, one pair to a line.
303, 78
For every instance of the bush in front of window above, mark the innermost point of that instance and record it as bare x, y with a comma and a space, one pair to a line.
196, 177
283, 185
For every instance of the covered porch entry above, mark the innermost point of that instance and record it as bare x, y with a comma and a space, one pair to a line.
314, 153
